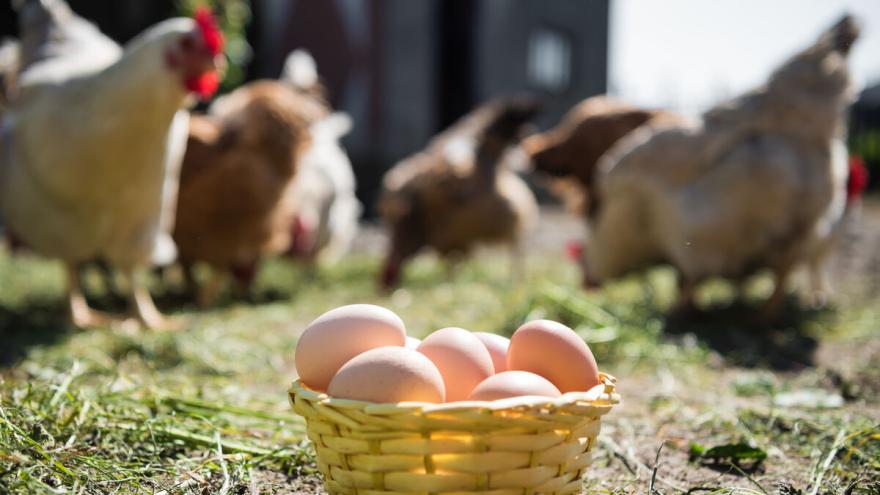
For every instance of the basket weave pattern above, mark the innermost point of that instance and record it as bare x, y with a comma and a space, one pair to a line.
511, 446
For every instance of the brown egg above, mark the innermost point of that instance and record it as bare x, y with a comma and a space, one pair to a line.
461, 358
497, 347
412, 342
513, 384
341, 334
389, 374
556, 352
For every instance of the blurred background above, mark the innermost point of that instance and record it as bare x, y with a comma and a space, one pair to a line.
790, 402
406, 70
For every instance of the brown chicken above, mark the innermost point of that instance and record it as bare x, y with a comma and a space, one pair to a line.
454, 194
569, 152
236, 170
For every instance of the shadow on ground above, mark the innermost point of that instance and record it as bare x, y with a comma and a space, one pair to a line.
40, 322
737, 333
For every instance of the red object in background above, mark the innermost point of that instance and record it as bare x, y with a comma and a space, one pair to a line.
574, 250
858, 178
210, 32
245, 273
300, 239
205, 85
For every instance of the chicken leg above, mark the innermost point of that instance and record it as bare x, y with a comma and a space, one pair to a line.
141, 303
81, 314
209, 293
776, 302
820, 289
685, 306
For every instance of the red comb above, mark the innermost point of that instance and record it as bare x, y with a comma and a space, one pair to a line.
210, 32
858, 178
574, 250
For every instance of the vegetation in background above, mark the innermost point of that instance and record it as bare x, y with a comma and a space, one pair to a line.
233, 16
867, 145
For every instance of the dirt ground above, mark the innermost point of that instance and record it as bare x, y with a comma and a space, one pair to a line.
802, 393
670, 411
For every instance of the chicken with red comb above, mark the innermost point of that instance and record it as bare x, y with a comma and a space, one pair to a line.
99, 134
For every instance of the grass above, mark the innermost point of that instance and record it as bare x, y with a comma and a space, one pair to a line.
204, 410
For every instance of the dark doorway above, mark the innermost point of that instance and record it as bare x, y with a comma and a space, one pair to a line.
455, 59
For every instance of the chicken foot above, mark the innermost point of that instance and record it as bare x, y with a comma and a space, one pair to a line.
141, 303
820, 289
81, 315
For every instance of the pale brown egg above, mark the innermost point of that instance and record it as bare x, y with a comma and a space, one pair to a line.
514, 384
556, 352
341, 334
497, 347
412, 342
389, 374
461, 358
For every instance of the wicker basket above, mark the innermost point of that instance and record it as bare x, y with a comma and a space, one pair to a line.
511, 446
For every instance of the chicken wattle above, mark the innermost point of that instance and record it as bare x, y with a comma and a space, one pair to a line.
95, 151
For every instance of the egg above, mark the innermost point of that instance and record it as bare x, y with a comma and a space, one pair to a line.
389, 374
341, 334
513, 384
497, 347
556, 352
412, 342
462, 359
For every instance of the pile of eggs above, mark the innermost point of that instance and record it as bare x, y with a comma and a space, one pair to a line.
362, 352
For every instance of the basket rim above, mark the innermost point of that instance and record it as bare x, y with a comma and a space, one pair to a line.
602, 394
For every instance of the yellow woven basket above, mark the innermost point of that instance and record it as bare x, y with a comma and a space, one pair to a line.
513, 446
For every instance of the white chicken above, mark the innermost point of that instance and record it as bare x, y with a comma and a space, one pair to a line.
757, 183
326, 209
322, 196
91, 154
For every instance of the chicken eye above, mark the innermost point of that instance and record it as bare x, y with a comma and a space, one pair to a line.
187, 43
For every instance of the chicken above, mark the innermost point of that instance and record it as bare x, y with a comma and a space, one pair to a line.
322, 198
236, 172
754, 184
454, 195
569, 152
326, 209
91, 152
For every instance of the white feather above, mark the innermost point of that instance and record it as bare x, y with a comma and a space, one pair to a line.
300, 69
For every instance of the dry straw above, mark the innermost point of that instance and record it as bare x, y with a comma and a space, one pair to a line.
513, 446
